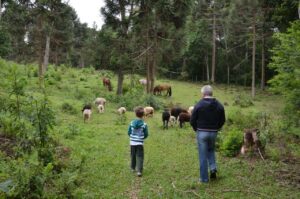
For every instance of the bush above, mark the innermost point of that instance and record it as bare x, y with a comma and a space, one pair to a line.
81, 94
88, 70
231, 142
153, 101
73, 130
68, 108
242, 120
136, 97
243, 101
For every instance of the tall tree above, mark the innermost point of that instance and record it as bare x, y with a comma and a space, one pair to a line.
118, 15
285, 61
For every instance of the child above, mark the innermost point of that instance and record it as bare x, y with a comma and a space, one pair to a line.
137, 131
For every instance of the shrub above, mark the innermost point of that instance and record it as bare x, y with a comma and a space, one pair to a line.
243, 101
73, 130
242, 120
88, 70
231, 142
153, 101
81, 94
68, 108
82, 79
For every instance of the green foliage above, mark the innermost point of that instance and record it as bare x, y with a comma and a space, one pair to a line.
121, 119
151, 100
68, 108
73, 130
243, 120
55, 75
5, 46
243, 101
285, 61
231, 142
135, 96
89, 70
82, 94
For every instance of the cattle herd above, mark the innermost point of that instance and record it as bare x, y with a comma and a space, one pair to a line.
170, 117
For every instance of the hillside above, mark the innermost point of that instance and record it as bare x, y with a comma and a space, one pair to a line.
91, 160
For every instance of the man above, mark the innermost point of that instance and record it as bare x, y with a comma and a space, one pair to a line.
207, 118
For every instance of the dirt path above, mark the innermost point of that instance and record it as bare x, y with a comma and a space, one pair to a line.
135, 188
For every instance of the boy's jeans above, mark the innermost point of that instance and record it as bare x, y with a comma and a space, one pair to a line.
206, 148
137, 157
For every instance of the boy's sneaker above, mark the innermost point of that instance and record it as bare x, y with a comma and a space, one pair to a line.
139, 174
213, 174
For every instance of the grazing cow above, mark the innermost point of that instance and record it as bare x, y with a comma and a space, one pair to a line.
107, 83
86, 112
251, 141
183, 117
100, 100
100, 108
157, 90
172, 120
176, 111
165, 118
122, 110
149, 111
190, 110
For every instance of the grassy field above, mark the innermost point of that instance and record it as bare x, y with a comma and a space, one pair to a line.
171, 168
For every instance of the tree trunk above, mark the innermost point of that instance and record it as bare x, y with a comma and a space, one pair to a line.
81, 62
147, 54
228, 74
253, 57
56, 52
124, 33
262, 85
299, 9
151, 68
0, 9
46, 56
207, 68
213, 61
120, 81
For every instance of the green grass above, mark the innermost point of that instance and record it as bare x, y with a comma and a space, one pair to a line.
171, 168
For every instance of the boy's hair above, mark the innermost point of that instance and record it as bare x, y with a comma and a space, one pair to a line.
139, 111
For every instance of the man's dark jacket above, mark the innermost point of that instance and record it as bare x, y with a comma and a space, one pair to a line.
208, 115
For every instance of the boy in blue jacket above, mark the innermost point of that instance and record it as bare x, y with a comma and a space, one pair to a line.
137, 131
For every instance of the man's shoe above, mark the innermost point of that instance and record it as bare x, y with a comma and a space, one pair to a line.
213, 174
139, 174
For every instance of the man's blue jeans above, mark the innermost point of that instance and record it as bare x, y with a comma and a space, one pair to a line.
206, 148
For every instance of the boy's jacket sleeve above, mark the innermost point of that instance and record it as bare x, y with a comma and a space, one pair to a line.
129, 130
145, 132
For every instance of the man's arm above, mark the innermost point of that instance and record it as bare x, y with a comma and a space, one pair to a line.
194, 117
222, 116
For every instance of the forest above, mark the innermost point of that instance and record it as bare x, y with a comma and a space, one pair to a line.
52, 65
